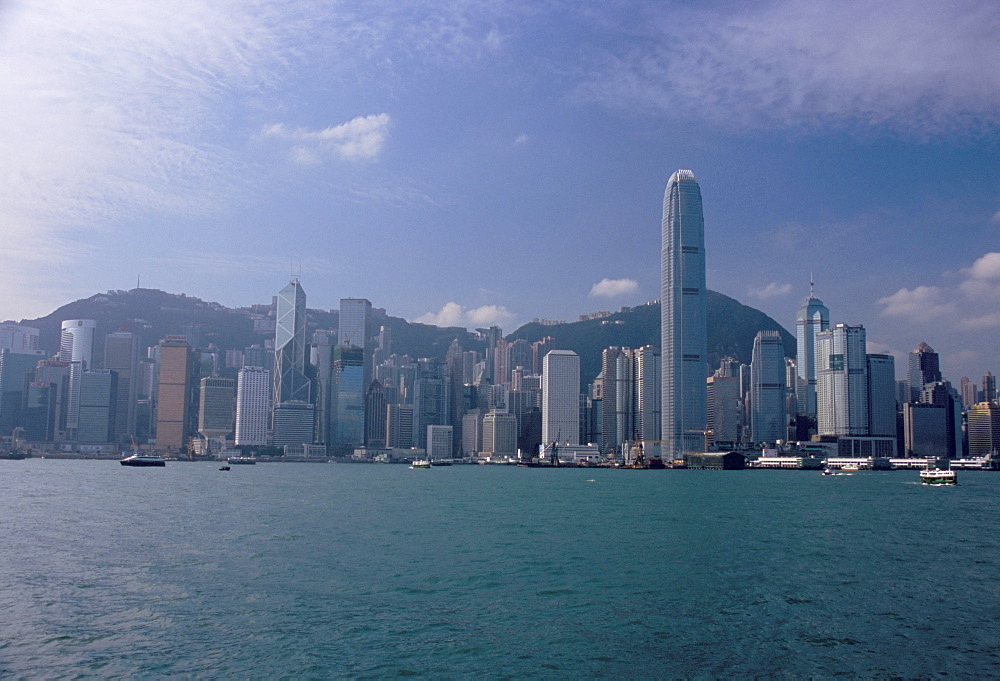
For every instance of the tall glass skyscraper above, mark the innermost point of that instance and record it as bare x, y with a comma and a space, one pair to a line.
767, 389
682, 317
290, 382
811, 318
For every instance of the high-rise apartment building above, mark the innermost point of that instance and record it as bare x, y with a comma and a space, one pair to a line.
561, 397
811, 318
842, 381
76, 345
682, 317
768, 420
253, 400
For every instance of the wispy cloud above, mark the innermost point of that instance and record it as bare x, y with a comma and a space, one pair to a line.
962, 303
453, 314
772, 290
359, 138
920, 68
612, 288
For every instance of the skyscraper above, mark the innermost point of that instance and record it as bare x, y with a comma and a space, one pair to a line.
355, 323
253, 398
561, 397
881, 395
293, 416
173, 401
290, 382
121, 355
811, 318
768, 422
215, 408
76, 345
842, 381
924, 369
97, 405
682, 316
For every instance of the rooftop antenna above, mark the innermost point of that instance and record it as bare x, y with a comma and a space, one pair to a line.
811, 286
137, 280
293, 273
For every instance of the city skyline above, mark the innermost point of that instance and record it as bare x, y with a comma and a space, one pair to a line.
396, 149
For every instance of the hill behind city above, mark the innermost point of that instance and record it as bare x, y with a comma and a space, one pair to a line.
154, 314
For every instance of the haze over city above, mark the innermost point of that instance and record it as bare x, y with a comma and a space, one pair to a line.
479, 163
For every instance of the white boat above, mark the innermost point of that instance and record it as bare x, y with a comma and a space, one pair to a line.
938, 477
420, 463
138, 459
242, 460
834, 471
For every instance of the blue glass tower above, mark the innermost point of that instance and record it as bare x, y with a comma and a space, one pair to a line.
682, 317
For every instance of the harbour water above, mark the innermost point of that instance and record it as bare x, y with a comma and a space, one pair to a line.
317, 571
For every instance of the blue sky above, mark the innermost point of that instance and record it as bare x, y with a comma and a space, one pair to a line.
489, 162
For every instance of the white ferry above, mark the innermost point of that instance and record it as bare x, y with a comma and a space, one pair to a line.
938, 477
420, 463
143, 460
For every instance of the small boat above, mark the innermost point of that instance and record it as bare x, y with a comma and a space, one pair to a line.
836, 471
144, 460
224, 468
938, 477
420, 463
242, 460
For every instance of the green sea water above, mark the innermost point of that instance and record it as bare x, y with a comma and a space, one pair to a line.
327, 570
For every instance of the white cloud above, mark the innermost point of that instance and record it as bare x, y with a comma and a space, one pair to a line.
612, 288
986, 321
921, 68
453, 314
772, 290
359, 138
922, 303
521, 139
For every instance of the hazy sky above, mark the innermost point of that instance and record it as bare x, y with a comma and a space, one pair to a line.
490, 162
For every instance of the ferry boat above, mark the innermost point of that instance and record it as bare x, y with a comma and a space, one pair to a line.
144, 460
938, 477
420, 463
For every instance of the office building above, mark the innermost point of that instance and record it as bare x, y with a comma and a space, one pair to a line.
439, 442
925, 431
724, 411
121, 355
375, 415
924, 369
173, 398
811, 318
499, 434
76, 346
98, 401
17, 369
472, 432
349, 390
984, 429
294, 424
253, 401
768, 419
17, 337
399, 426
215, 407
842, 381
989, 387
561, 397
682, 317
881, 395
355, 325
290, 347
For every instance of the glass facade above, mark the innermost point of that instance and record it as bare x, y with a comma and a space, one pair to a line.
682, 317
